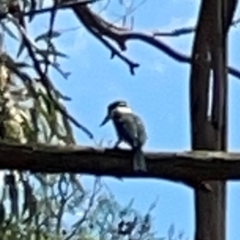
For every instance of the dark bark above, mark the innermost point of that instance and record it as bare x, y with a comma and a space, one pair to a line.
210, 133
182, 167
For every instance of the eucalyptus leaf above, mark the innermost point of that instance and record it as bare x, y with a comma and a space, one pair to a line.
68, 128
45, 36
59, 54
48, 52
40, 4
33, 7
44, 131
56, 66
26, 4
171, 231
22, 65
2, 213
8, 31
21, 48
50, 114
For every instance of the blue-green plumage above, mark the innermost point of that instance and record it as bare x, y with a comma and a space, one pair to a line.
130, 129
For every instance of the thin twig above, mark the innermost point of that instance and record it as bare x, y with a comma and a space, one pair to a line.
86, 212
184, 31
50, 32
114, 52
49, 9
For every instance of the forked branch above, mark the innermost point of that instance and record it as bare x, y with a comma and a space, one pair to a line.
101, 28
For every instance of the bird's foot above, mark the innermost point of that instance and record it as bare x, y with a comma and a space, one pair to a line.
116, 146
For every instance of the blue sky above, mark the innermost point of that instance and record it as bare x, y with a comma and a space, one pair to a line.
158, 93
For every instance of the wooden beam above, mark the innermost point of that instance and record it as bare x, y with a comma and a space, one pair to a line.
197, 165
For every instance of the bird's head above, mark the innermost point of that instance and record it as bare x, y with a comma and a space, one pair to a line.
119, 107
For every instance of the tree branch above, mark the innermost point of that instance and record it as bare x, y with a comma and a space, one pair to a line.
121, 35
185, 166
50, 9
187, 30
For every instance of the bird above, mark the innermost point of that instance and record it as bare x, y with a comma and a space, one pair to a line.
130, 129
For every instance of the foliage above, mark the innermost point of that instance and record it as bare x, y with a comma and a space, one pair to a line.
36, 206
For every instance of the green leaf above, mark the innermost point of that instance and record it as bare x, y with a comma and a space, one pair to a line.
2, 213
47, 52
126, 210
40, 4
22, 64
33, 7
59, 54
8, 31
26, 4
50, 115
68, 129
171, 231
45, 36
153, 205
20, 50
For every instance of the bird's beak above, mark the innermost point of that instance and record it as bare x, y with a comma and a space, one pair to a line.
106, 119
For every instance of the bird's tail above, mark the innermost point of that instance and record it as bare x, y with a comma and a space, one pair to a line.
139, 163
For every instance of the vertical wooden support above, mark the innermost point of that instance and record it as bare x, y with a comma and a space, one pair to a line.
218, 118
210, 132
200, 128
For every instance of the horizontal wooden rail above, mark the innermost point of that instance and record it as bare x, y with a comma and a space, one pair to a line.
197, 165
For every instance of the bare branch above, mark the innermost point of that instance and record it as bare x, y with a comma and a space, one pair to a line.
183, 31
174, 33
121, 36
114, 52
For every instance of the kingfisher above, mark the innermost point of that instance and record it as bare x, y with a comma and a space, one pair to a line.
130, 129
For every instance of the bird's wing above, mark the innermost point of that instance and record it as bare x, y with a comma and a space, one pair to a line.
141, 130
132, 130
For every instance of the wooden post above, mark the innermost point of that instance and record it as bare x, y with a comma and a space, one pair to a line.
210, 132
